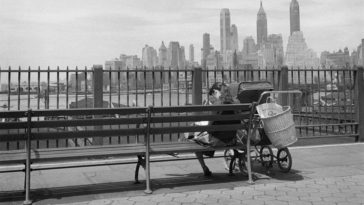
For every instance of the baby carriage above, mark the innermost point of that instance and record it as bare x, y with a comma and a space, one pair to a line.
258, 92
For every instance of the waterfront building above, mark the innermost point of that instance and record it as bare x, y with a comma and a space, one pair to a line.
225, 34
113, 65
162, 56
234, 38
262, 27
294, 16
131, 61
338, 59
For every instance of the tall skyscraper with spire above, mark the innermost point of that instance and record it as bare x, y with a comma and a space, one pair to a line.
294, 16
262, 27
225, 35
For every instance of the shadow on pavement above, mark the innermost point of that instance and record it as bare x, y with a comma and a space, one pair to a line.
168, 184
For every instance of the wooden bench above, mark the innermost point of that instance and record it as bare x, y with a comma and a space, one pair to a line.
146, 126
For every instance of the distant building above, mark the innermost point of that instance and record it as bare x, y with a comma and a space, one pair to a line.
338, 59
114, 65
182, 58
249, 46
191, 53
173, 54
131, 61
298, 55
249, 55
225, 35
149, 57
276, 43
234, 38
294, 16
162, 56
76, 80
262, 26
205, 51
214, 61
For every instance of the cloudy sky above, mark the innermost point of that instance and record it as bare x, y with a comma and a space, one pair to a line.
86, 32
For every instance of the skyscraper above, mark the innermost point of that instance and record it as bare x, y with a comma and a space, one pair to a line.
262, 28
249, 46
173, 54
234, 38
205, 48
162, 56
294, 16
225, 35
149, 56
182, 58
192, 53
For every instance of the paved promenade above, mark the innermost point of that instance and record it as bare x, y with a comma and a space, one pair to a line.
332, 174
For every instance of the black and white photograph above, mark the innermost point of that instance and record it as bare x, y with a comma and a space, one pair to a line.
181, 102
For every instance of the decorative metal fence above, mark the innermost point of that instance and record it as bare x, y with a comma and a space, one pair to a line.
329, 106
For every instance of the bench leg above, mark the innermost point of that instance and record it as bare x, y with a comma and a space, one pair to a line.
27, 184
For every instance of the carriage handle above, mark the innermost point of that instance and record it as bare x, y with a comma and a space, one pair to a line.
279, 92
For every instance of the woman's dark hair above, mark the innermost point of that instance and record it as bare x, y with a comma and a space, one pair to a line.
216, 86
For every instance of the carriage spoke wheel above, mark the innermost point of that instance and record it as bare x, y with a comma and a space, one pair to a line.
266, 156
284, 160
228, 156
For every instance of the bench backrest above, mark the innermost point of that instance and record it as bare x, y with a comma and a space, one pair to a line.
147, 122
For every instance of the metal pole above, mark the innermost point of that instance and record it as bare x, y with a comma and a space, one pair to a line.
197, 86
28, 159
251, 124
283, 85
360, 103
98, 77
148, 190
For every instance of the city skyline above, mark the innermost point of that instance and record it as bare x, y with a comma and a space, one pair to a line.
83, 33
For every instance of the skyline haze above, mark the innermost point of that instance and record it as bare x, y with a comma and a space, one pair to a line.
82, 33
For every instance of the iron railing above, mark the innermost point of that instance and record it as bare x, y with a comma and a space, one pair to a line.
328, 107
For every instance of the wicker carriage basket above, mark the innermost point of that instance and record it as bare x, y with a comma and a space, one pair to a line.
278, 124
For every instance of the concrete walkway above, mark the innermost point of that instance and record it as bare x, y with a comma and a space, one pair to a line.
332, 174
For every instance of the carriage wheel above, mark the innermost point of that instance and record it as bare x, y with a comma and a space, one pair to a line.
284, 160
228, 156
266, 156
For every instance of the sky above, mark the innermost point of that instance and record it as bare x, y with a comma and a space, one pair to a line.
87, 32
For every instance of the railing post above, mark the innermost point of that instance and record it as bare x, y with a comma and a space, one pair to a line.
197, 86
283, 85
362, 51
28, 158
359, 102
98, 76
148, 190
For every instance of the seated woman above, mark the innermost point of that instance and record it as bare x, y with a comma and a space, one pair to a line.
219, 93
